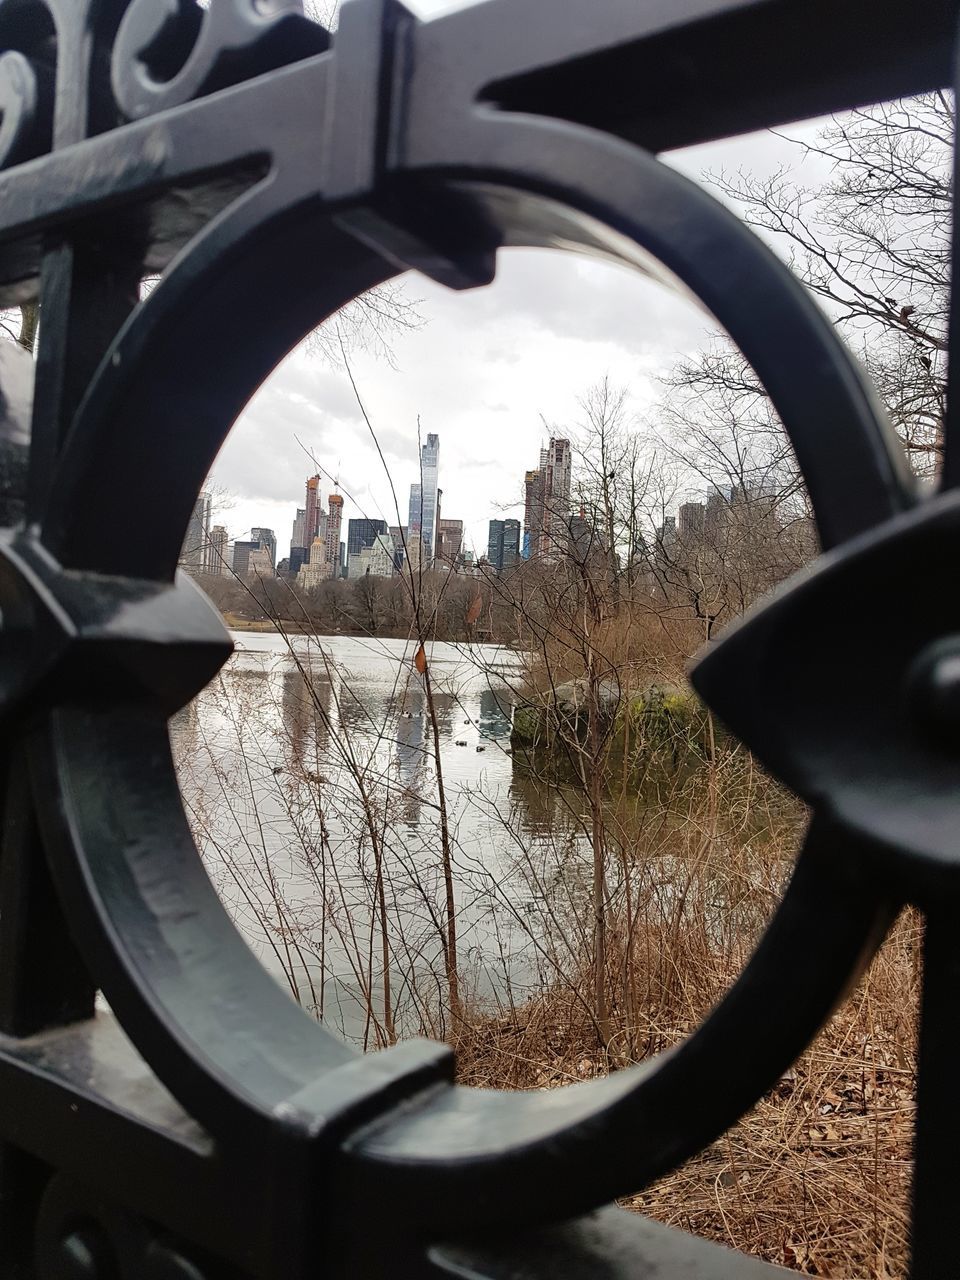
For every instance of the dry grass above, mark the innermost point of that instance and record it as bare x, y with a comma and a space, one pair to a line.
645, 641
816, 1177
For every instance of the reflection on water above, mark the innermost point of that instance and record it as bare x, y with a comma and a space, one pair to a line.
309, 776
310, 772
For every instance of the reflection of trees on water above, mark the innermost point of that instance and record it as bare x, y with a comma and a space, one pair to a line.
354, 715
410, 754
410, 737
309, 796
302, 723
272, 761
495, 713
446, 706
541, 806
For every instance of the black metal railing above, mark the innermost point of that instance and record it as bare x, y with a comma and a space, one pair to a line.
209, 1128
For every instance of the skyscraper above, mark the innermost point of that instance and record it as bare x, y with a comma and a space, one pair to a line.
585, 547
313, 571
252, 559
532, 512
311, 522
511, 544
298, 541
691, 523
714, 516
449, 540
219, 562
415, 520
298, 533
666, 536
399, 535
376, 561
495, 543
424, 497
556, 468
383, 557
331, 539
503, 544
195, 552
268, 541
546, 506
363, 533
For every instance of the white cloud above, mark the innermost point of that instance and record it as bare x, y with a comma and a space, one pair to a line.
485, 370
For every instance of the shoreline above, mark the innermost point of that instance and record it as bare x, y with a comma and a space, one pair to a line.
266, 626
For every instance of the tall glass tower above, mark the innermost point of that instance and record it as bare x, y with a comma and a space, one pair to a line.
423, 498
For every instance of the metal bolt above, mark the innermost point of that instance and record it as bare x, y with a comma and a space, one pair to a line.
82, 1257
935, 688
164, 1263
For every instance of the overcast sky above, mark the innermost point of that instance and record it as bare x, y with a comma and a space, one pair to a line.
485, 371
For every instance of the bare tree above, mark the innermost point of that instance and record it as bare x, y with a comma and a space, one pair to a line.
873, 245
873, 242
370, 323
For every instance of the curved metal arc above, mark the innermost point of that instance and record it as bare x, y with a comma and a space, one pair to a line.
218, 1031
454, 1163
18, 106
184, 366
834, 421
245, 1061
851, 723
457, 1160
191, 995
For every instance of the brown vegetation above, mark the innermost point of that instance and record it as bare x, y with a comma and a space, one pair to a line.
817, 1176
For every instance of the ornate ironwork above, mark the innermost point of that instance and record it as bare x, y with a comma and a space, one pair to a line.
210, 1129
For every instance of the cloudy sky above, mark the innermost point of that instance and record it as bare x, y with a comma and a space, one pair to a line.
486, 370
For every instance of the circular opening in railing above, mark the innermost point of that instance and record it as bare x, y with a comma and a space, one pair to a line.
454, 781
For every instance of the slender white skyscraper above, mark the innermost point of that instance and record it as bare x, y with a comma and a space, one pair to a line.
423, 499
195, 552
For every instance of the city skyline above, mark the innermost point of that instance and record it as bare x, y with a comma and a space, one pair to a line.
429, 538
468, 536
482, 470
552, 528
493, 371
318, 552
546, 506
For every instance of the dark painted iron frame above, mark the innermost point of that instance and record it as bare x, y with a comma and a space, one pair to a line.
212, 1129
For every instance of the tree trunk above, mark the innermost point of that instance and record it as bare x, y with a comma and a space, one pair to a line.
29, 319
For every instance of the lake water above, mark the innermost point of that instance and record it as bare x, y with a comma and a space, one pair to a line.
309, 774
